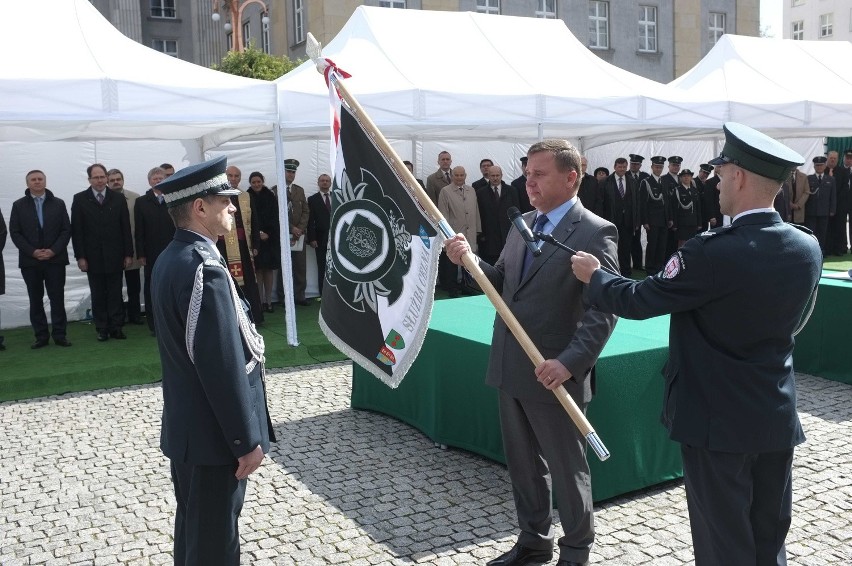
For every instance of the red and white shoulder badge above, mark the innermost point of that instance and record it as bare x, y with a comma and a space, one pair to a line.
674, 266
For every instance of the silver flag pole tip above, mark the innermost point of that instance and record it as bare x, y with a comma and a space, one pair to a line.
595, 442
313, 48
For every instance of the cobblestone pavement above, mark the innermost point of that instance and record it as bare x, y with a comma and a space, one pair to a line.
82, 481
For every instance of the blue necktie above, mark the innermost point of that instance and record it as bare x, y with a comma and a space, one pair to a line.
540, 221
39, 202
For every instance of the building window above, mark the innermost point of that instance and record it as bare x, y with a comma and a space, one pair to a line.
264, 38
798, 3
599, 25
546, 9
826, 25
716, 28
648, 29
229, 40
246, 33
298, 21
167, 46
799, 30
163, 9
392, 4
488, 6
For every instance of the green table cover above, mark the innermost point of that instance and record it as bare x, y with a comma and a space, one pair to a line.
823, 347
445, 396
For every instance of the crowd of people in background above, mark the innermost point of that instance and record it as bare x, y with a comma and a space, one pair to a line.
116, 232
654, 211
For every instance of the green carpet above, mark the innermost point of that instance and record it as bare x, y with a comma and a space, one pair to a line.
90, 364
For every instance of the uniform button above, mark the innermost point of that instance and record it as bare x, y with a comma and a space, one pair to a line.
237, 442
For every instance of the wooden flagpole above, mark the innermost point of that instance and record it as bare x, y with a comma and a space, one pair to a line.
471, 263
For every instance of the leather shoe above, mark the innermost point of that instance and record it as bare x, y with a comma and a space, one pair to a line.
103, 336
569, 563
39, 344
304, 303
118, 334
520, 555
137, 320
61, 342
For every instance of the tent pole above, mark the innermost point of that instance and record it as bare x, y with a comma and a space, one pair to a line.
286, 271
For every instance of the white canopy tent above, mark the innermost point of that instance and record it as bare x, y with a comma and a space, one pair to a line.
782, 87
79, 78
473, 80
79, 91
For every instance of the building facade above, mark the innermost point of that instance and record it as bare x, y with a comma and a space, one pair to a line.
657, 39
828, 20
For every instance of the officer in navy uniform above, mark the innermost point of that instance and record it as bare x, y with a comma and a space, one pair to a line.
216, 427
730, 394
670, 181
637, 175
656, 215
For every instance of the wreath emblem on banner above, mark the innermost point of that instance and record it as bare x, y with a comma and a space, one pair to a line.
370, 249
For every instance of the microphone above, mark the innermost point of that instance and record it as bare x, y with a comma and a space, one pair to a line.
526, 233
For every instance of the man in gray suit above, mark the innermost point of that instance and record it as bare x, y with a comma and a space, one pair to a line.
542, 445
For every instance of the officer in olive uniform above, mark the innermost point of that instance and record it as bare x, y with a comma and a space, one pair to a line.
822, 202
730, 394
216, 426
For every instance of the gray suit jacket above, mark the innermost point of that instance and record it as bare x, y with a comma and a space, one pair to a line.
550, 304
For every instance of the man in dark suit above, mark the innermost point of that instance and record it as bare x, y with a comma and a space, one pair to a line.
484, 165
494, 200
541, 443
40, 229
319, 223
132, 275
216, 427
589, 192
637, 175
621, 207
837, 238
730, 395
520, 186
154, 231
103, 246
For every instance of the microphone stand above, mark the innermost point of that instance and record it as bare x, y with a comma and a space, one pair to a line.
551, 240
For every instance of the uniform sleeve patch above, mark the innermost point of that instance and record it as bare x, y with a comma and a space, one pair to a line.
674, 266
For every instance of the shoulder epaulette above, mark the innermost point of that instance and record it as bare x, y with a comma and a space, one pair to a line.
804, 229
707, 234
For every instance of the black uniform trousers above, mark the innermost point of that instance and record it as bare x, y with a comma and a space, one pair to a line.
655, 254
209, 501
49, 276
107, 304
149, 306
740, 505
133, 308
819, 226
625, 247
322, 255
636, 249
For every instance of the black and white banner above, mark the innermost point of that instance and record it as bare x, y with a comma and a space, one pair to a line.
382, 260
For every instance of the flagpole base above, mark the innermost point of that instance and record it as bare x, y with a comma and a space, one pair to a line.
595, 442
